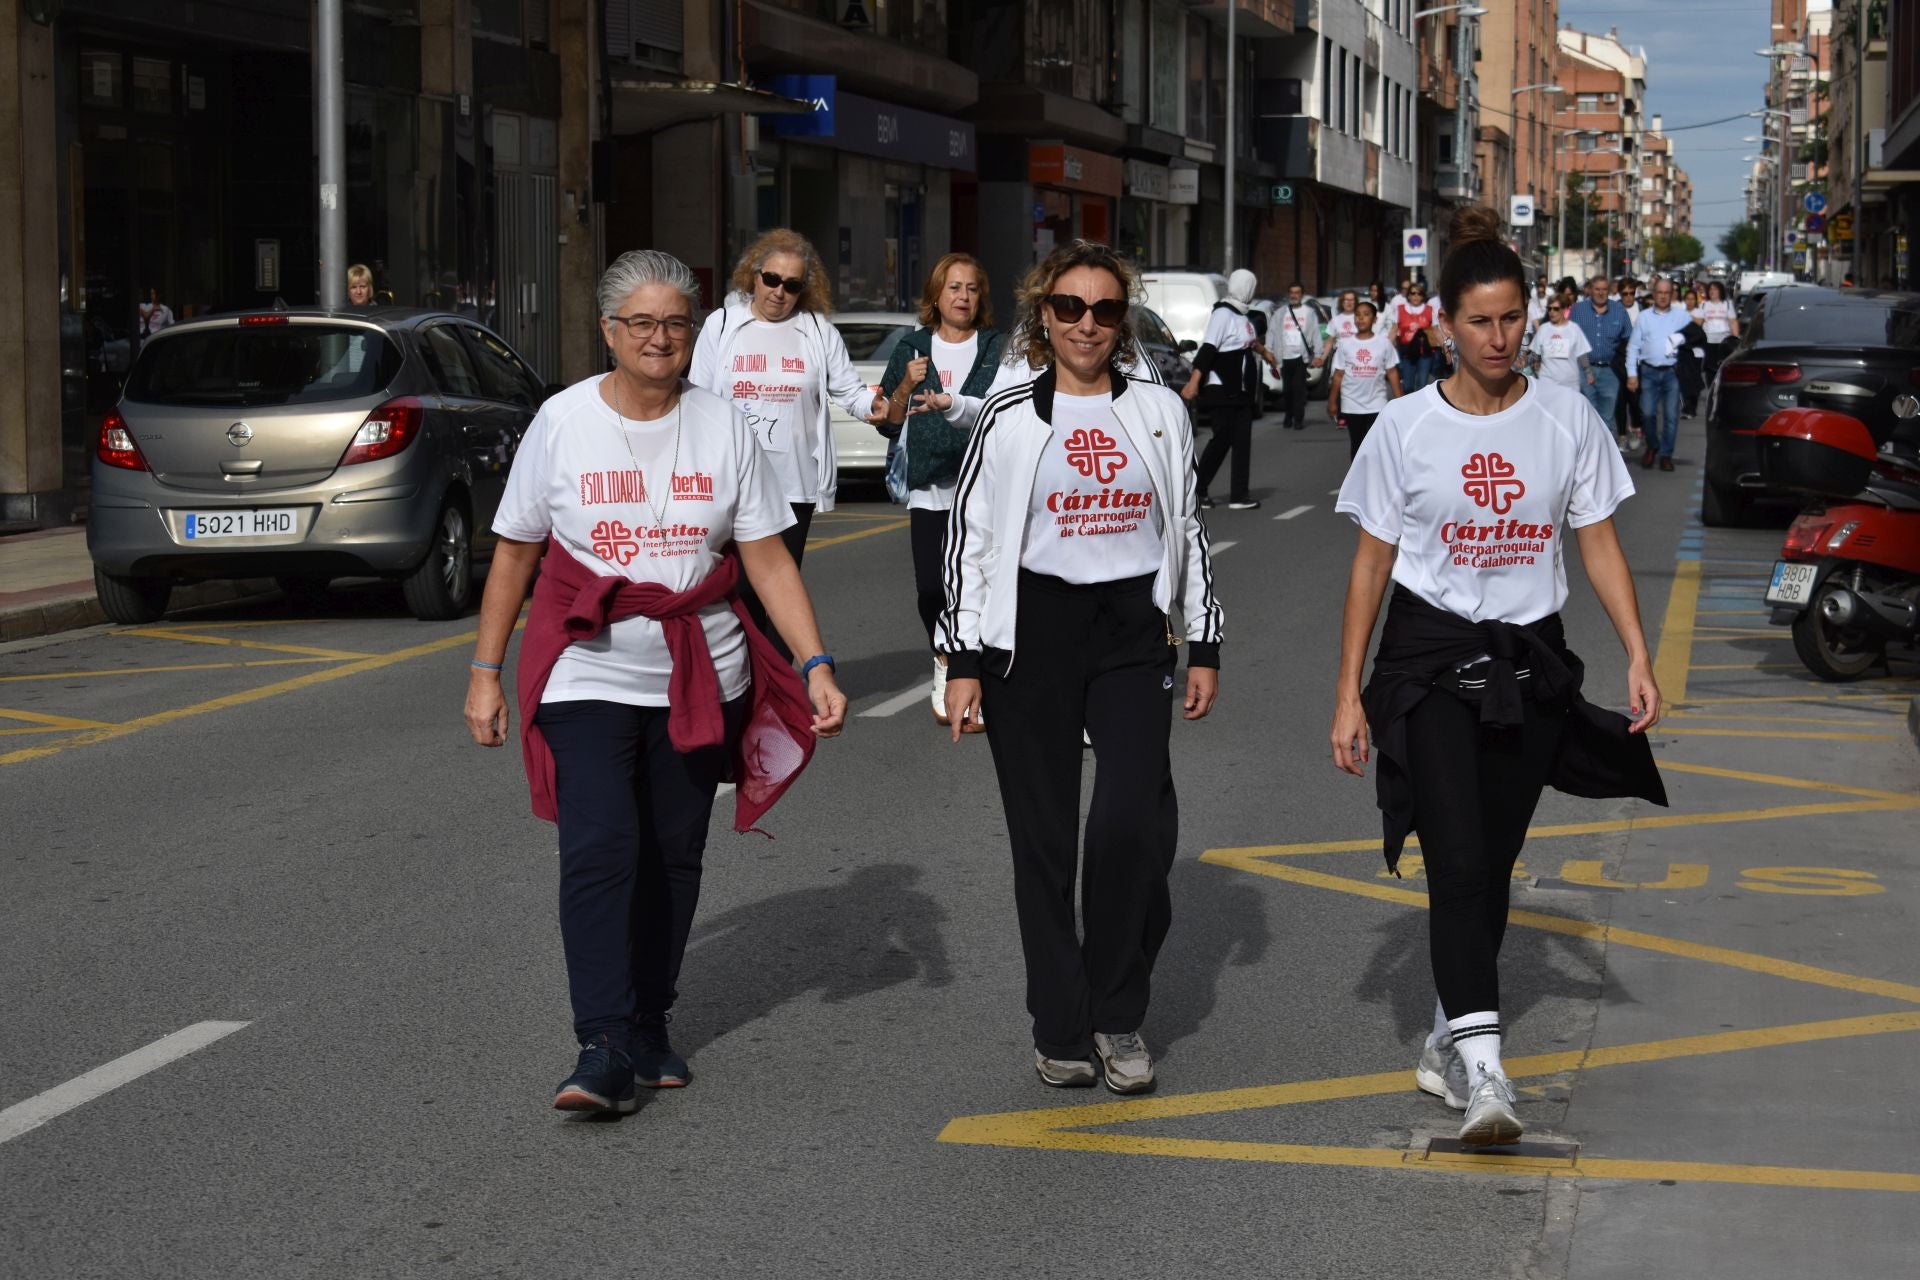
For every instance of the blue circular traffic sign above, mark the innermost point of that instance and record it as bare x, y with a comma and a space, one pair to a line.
1815, 202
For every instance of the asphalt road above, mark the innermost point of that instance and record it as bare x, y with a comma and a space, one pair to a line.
276, 825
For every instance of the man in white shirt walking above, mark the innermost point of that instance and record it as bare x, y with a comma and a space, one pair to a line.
1651, 372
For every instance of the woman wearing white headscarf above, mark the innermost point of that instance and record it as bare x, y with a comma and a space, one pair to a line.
1223, 380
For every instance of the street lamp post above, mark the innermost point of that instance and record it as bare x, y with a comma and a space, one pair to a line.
1465, 11
1513, 149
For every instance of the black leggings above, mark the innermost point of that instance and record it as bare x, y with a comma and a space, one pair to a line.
1474, 792
1358, 424
1232, 422
927, 531
795, 538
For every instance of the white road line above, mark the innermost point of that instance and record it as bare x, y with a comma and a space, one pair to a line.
1333, 493
900, 701
1297, 511
1218, 547
24, 1117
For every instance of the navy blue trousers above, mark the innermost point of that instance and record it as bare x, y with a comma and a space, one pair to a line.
633, 816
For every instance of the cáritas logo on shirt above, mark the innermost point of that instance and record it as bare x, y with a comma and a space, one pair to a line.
1494, 483
1112, 508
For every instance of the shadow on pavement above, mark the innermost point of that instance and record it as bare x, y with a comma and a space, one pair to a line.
839, 941
1218, 921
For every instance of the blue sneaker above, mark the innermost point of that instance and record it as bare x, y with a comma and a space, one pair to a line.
655, 1064
601, 1081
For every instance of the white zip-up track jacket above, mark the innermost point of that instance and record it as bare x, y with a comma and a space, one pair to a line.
987, 528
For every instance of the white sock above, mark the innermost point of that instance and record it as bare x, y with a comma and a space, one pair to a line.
1477, 1038
1440, 1027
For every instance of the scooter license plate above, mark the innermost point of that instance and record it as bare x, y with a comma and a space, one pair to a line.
1791, 584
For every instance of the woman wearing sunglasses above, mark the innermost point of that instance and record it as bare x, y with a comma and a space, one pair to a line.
1075, 563
771, 350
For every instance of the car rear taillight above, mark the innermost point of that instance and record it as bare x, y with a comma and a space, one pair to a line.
1805, 536
117, 447
250, 321
1746, 373
387, 431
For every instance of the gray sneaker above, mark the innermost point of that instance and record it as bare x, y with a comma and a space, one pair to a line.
1490, 1118
1063, 1073
1442, 1071
1125, 1063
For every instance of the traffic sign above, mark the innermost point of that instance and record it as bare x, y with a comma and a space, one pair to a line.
1840, 227
1815, 202
1816, 224
1520, 211
1413, 247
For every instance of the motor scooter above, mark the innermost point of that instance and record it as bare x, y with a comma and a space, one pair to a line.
1848, 580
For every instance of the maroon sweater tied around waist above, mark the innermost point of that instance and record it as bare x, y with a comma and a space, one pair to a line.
572, 602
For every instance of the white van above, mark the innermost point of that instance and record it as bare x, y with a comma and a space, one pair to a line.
1751, 280
1184, 299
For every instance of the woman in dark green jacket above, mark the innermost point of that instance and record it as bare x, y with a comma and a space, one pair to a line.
956, 349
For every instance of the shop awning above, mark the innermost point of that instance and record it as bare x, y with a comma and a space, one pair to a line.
643, 106
1887, 179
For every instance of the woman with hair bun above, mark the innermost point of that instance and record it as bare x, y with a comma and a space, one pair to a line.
1464, 491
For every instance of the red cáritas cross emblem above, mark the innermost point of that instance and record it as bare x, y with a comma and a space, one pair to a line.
1492, 482
1095, 455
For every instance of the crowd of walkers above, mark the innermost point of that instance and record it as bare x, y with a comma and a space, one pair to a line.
658, 513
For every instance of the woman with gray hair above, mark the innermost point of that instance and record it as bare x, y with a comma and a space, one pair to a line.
643, 502
771, 350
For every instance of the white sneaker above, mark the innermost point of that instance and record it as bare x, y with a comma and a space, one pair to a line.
1442, 1071
1124, 1061
1490, 1119
940, 690
1063, 1073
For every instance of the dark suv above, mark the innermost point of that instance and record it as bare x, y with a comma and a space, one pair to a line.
307, 445
1798, 333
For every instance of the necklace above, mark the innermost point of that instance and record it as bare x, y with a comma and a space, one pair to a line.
659, 513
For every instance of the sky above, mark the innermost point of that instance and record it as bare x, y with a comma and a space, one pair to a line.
1700, 66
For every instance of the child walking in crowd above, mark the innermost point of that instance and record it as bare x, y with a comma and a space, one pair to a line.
1463, 493
1365, 377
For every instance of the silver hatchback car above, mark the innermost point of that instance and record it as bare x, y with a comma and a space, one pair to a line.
304, 446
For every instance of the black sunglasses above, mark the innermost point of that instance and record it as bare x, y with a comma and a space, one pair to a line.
1107, 312
772, 280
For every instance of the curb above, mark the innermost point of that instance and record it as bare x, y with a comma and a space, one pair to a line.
1913, 719
76, 611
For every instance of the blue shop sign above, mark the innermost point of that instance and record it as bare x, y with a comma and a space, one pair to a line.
820, 92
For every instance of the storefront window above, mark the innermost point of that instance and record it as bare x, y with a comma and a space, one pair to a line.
100, 83
153, 86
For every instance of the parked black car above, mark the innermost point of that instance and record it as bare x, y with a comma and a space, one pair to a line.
1799, 333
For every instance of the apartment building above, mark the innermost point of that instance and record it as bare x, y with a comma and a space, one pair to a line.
1519, 100
1875, 140
1447, 103
1600, 117
1665, 194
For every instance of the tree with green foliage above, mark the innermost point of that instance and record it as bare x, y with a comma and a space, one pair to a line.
1675, 250
1742, 244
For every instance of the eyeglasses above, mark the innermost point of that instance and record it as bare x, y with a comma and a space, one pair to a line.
773, 280
1107, 312
643, 327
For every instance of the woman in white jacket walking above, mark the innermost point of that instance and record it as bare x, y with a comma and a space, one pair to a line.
1074, 551
772, 350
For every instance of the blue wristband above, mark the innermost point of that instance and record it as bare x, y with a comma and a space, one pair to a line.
818, 660
484, 666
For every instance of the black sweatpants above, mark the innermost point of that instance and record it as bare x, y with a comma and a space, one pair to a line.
1358, 424
1293, 380
633, 816
1474, 792
1232, 422
795, 536
1092, 657
927, 531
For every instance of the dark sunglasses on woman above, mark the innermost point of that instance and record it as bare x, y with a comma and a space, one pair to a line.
772, 280
1107, 312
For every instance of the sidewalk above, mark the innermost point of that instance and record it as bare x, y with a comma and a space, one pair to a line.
46, 585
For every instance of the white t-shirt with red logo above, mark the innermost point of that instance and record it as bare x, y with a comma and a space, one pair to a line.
1480, 507
575, 479
1092, 517
774, 386
1299, 328
952, 361
1363, 364
1344, 325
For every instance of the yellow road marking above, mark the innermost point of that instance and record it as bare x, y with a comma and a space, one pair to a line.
1676, 632
1067, 1128
1721, 632
53, 722
816, 543
372, 663
45, 728
1806, 734
1718, 715
169, 633
147, 671
1742, 666
1782, 780
1604, 933
1805, 699
1592, 873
